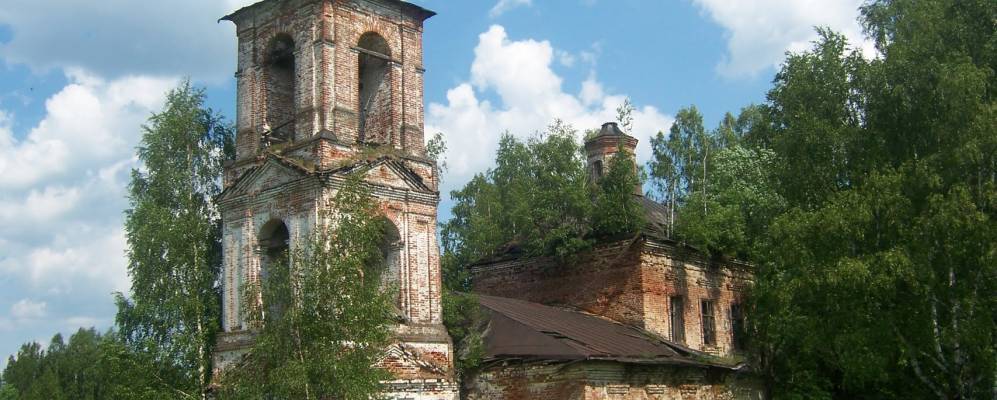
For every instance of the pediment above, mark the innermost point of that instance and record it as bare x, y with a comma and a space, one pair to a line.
394, 174
273, 172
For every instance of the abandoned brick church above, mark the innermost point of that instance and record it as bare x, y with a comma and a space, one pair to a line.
320, 84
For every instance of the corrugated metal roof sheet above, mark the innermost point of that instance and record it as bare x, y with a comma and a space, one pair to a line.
521, 329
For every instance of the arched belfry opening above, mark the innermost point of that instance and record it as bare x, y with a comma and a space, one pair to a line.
280, 89
391, 252
374, 89
275, 268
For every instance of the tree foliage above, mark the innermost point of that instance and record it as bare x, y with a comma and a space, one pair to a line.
322, 321
539, 198
91, 366
684, 175
889, 169
535, 198
174, 239
864, 191
614, 211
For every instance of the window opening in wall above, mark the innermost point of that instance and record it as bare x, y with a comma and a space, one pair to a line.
677, 318
597, 169
709, 323
374, 89
391, 252
737, 326
275, 268
280, 90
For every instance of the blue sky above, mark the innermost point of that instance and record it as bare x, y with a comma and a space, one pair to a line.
78, 78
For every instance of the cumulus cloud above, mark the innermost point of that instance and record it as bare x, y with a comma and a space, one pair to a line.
505, 5
62, 192
62, 185
760, 32
114, 38
530, 95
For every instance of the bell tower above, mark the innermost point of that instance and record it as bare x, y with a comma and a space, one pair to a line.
326, 88
348, 70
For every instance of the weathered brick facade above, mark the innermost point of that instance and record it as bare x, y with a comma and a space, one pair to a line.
301, 129
629, 281
671, 291
601, 149
599, 380
632, 281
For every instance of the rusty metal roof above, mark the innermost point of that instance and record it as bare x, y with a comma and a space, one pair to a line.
524, 330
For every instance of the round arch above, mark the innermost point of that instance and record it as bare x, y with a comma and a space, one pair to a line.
281, 82
274, 243
374, 89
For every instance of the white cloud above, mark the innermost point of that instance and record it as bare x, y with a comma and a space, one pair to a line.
89, 122
62, 192
62, 186
28, 309
530, 96
505, 5
759, 32
114, 38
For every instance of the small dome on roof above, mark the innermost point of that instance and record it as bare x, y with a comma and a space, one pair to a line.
610, 129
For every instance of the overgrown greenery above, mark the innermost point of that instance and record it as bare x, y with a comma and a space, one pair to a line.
162, 342
174, 239
91, 366
334, 326
323, 320
538, 199
865, 192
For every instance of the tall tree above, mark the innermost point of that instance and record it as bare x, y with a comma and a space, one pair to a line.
682, 167
323, 319
90, 367
876, 278
536, 198
732, 219
174, 238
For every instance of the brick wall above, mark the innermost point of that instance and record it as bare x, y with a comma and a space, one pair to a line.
519, 381
671, 271
326, 89
317, 85
598, 380
605, 281
630, 282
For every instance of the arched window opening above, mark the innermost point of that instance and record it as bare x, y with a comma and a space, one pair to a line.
275, 276
280, 87
374, 89
391, 252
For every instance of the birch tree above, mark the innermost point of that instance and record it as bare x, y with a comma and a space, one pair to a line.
173, 235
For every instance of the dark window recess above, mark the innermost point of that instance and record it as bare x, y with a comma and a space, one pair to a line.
737, 326
275, 269
374, 89
709, 323
677, 318
280, 91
